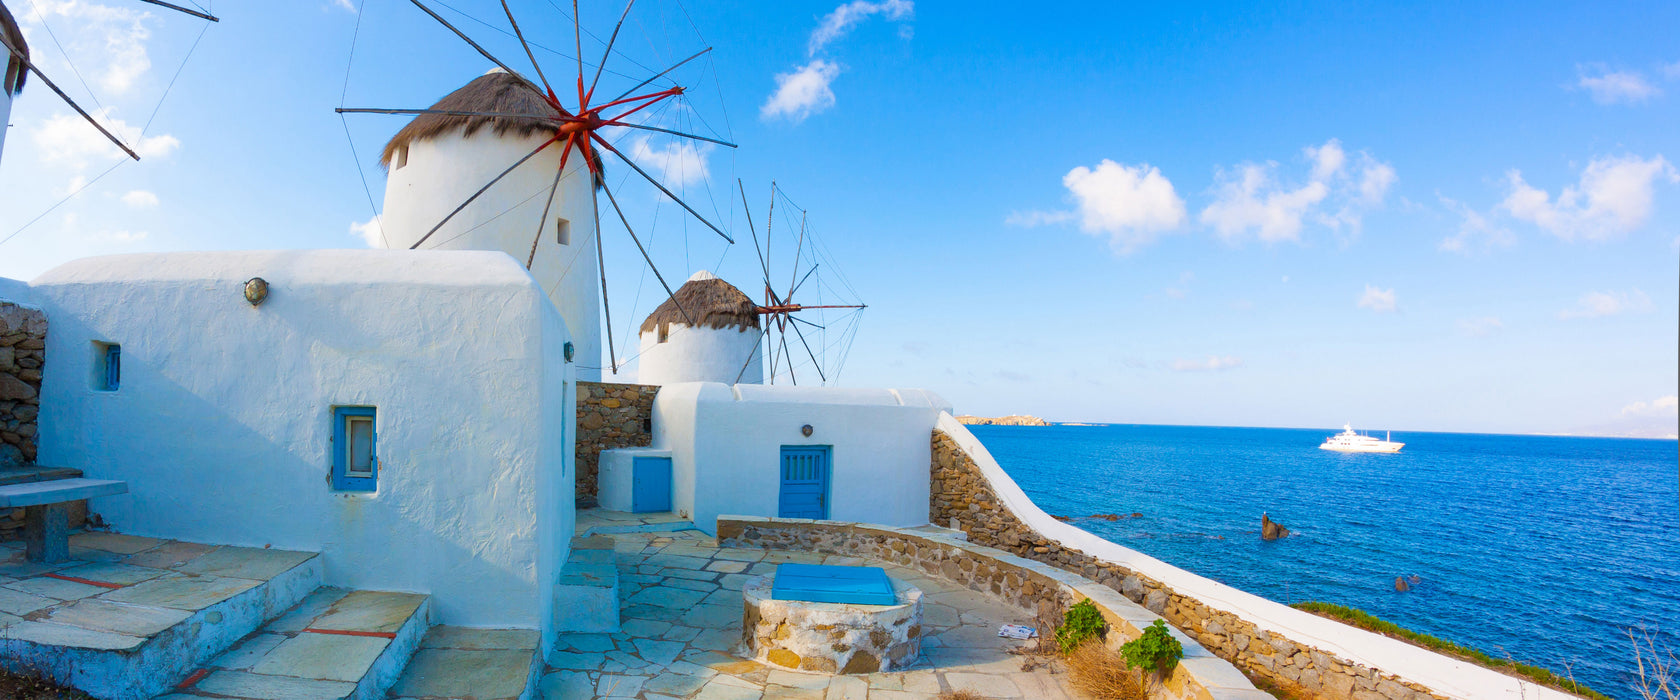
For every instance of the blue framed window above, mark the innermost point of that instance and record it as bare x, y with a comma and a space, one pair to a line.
355, 449
107, 371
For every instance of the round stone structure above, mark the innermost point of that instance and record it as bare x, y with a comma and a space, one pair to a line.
832, 637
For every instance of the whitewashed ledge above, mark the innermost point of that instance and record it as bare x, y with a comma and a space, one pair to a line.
1331, 648
1021, 582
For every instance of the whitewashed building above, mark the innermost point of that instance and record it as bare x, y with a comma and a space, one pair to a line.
720, 345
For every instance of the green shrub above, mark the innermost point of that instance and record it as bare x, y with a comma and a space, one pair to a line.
1366, 621
1155, 650
1081, 622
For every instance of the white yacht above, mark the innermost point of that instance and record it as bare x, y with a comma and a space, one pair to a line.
1349, 441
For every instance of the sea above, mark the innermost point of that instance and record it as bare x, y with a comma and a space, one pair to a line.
1546, 550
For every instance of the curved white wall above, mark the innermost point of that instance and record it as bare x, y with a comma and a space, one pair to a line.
441, 173
725, 443
222, 422
724, 355
1450, 677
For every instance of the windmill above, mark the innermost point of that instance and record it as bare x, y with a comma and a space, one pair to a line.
780, 309
579, 132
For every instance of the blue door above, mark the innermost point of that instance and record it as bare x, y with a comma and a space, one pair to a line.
650, 484
804, 482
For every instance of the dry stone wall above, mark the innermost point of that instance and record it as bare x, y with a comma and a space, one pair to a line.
23, 353
961, 498
609, 416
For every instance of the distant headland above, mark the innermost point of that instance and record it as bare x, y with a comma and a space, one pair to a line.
1003, 420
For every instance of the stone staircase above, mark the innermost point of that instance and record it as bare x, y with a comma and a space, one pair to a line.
586, 597
129, 618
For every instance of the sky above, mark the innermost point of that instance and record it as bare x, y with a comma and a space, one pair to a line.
1447, 218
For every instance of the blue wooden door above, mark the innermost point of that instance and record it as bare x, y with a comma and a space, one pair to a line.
804, 483
650, 484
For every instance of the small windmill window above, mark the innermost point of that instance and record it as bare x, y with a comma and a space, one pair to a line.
402, 156
563, 232
355, 449
107, 366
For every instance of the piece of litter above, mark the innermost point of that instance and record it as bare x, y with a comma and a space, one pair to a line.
1017, 632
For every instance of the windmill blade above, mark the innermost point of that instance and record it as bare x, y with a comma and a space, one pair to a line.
814, 362
43, 76
807, 276
445, 112
645, 127
608, 53
661, 74
464, 37
668, 293
752, 229
755, 353
527, 46
482, 190
178, 8
601, 260
796, 252
608, 145
791, 376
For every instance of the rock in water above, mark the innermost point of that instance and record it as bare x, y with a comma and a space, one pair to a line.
1270, 530
1400, 584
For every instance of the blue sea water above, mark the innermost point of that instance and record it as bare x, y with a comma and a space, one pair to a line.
1543, 549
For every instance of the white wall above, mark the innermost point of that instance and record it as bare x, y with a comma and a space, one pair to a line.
727, 355
222, 423
725, 444
442, 173
1448, 676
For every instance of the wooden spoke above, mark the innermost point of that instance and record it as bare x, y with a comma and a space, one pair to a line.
607, 145
626, 221
814, 362
463, 36
542, 221
446, 112
662, 73
753, 229
178, 8
482, 190
601, 260
521, 36
645, 127
43, 76
608, 53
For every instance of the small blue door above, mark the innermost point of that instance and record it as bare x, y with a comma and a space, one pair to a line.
804, 482
650, 484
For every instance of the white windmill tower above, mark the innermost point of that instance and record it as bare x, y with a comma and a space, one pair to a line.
442, 157
720, 345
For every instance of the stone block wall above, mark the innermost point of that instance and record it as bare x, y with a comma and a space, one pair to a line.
961, 497
23, 353
609, 416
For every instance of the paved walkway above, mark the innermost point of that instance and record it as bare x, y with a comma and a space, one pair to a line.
681, 609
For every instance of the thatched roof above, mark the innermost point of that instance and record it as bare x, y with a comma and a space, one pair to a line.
496, 91
16, 73
711, 302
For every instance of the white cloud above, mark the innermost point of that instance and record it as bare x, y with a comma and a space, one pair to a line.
1478, 327
1475, 231
844, 17
1661, 406
1600, 304
1033, 219
140, 199
803, 92
345, 5
679, 164
68, 138
1131, 204
1251, 198
1609, 87
369, 231
1378, 300
1213, 363
1613, 197
108, 42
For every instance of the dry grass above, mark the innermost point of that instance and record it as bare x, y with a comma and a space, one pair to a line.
1659, 669
1102, 674
959, 695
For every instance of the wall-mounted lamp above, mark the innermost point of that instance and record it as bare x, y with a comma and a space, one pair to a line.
569, 351
256, 290
805, 430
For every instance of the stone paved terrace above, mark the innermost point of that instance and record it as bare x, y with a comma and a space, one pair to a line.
681, 620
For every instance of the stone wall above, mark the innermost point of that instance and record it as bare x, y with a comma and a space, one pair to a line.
961, 497
23, 343
1033, 587
609, 416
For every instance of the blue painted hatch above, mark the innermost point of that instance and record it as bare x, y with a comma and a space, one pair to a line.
650, 490
859, 585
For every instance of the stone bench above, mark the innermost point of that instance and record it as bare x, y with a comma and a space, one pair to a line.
46, 513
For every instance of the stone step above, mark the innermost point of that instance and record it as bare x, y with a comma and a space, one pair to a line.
335, 645
586, 596
126, 617
484, 664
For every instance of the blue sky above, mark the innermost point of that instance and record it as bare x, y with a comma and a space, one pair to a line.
1420, 218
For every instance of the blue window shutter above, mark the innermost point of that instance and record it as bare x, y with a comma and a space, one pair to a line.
354, 467
113, 367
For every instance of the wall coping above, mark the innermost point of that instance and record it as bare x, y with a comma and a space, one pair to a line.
1199, 669
1442, 674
